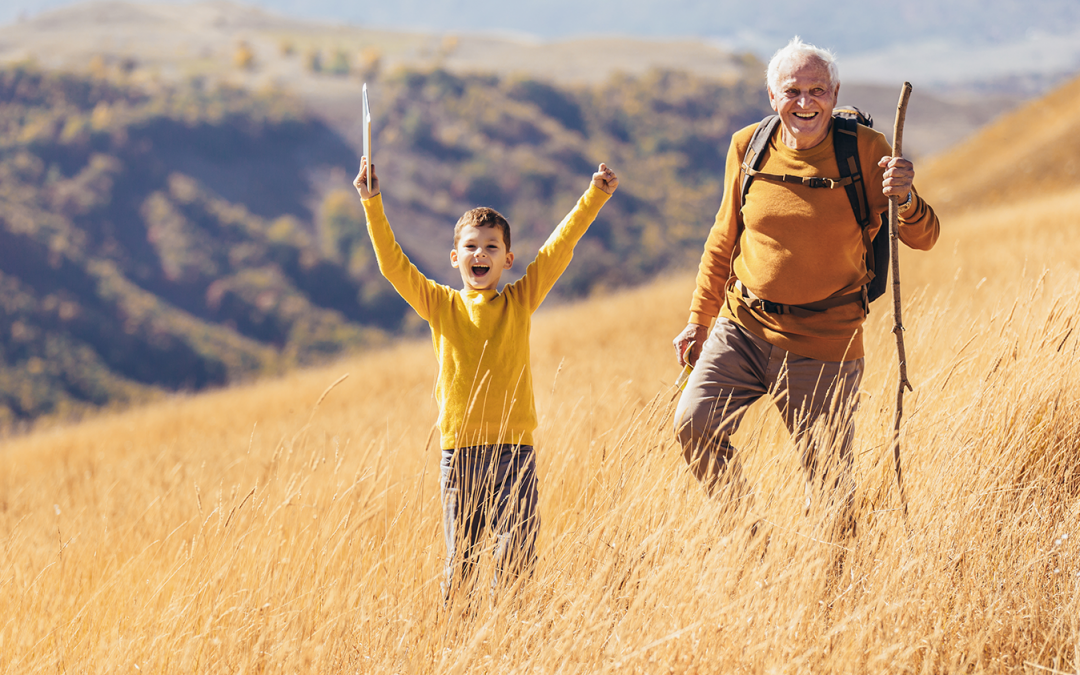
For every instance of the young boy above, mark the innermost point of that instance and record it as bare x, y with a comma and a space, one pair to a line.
484, 390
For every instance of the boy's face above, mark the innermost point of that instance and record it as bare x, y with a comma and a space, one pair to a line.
481, 257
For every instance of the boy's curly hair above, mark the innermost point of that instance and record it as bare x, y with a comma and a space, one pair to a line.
483, 216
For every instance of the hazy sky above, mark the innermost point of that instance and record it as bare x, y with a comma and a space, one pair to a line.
865, 26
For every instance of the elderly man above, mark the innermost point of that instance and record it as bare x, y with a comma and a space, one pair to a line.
783, 276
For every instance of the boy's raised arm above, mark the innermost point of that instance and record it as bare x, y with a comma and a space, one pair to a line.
361, 180
554, 256
416, 289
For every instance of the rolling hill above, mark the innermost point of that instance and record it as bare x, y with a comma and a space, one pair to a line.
1026, 155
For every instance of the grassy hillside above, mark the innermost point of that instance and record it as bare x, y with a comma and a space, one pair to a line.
293, 525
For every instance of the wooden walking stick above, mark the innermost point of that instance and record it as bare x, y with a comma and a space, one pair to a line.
898, 325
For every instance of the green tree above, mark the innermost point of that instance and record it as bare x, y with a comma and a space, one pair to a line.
342, 228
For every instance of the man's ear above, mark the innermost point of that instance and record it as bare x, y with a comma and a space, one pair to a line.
772, 99
509, 260
453, 257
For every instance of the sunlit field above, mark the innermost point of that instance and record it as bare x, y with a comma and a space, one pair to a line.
294, 525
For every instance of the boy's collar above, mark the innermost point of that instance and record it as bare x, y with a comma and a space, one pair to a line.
486, 293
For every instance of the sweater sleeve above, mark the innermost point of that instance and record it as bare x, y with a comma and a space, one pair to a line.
420, 292
715, 266
919, 227
555, 255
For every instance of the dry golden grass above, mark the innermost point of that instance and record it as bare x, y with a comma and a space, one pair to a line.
256, 530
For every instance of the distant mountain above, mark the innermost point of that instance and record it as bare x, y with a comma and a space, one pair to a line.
325, 64
1000, 44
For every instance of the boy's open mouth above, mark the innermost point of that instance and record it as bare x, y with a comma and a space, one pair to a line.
480, 270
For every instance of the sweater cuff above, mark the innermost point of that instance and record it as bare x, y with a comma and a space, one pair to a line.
373, 205
701, 319
594, 196
917, 210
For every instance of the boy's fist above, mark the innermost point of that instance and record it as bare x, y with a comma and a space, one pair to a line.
361, 180
605, 179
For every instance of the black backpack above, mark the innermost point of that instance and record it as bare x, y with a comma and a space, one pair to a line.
845, 139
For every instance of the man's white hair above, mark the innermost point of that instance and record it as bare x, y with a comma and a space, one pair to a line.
797, 48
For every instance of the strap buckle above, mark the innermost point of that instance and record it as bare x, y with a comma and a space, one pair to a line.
818, 182
770, 307
760, 304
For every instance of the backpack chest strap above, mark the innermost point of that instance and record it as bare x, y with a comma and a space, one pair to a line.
808, 181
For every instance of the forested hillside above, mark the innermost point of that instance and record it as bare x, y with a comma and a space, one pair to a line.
175, 237
141, 250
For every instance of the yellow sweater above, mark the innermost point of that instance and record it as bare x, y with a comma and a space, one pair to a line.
798, 245
481, 338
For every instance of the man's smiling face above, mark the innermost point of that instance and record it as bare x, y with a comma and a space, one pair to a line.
481, 257
804, 99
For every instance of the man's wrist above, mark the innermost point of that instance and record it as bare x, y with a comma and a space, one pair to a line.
905, 206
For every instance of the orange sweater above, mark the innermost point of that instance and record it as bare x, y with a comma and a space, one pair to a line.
798, 245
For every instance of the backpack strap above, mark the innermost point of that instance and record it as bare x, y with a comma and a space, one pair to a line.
752, 159
845, 140
804, 310
846, 144
808, 181
759, 140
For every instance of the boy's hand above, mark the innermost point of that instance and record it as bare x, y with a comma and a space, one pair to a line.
361, 180
605, 179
